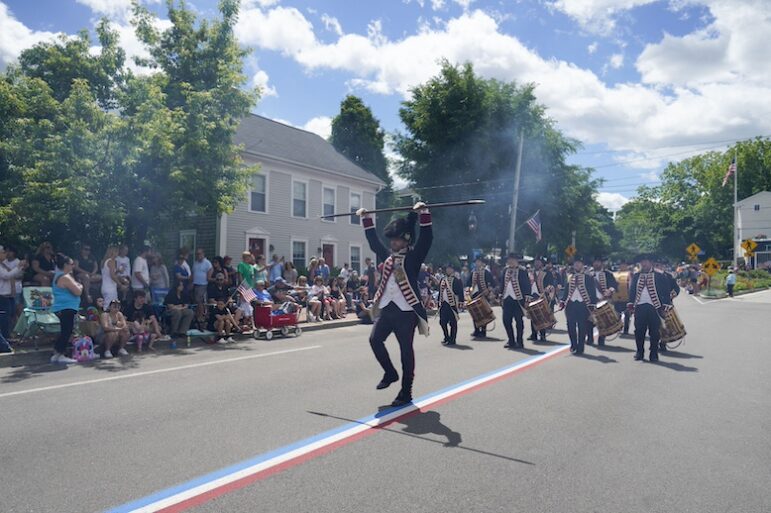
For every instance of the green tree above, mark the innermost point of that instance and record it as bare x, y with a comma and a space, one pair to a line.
692, 205
461, 143
357, 134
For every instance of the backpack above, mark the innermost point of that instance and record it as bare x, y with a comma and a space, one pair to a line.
83, 349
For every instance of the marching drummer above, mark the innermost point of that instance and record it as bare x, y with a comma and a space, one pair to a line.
517, 292
606, 285
578, 301
651, 298
544, 287
621, 296
480, 284
450, 297
660, 266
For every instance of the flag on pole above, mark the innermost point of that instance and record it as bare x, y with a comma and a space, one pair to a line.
535, 224
247, 293
731, 170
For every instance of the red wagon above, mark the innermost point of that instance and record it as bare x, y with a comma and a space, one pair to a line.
265, 323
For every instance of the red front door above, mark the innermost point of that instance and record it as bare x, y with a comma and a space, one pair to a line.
328, 252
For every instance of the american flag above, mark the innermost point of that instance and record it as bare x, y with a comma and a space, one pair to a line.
731, 170
247, 293
535, 224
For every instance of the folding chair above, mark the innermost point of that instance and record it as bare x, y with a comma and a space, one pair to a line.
37, 317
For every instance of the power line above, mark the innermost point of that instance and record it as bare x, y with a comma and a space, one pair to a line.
711, 143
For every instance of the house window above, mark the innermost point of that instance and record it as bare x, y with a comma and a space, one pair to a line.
355, 205
328, 207
356, 259
299, 199
258, 200
187, 239
298, 254
757, 208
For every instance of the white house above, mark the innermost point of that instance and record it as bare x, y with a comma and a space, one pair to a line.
301, 176
753, 221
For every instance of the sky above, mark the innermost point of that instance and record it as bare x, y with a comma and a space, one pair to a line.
639, 82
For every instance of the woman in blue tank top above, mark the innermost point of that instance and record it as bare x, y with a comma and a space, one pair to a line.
66, 292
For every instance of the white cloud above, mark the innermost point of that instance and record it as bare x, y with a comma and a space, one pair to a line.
616, 60
596, 15
332, 24
652, 176
613, 201
321, 125
116, 9
437, 5
464, 3
592, 48
15, 36
260, 79
632, 117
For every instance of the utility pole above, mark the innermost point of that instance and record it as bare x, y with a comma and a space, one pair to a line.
515, 199
737, 235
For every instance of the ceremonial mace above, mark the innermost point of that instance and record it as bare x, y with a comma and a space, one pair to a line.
401, 209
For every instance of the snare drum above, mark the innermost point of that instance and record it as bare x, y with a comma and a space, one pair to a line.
607, 320
672, 329
481, 312
541, 315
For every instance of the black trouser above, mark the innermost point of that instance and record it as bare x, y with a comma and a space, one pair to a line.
447, 316
730, 290
646, 318
512, 311
7, 311
621, 309
402, 324
577, 315
66, 324
479, 331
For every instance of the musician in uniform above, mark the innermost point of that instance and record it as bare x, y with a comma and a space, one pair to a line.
579, 300
396, 307
543, 280
480, 284
660, 266
651, 298
620, 306
606, 285
516, 293
450, 298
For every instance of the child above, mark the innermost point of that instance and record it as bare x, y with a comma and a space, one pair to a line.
223, 321
143, 331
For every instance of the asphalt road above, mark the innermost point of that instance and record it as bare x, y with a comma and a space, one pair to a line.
598, 433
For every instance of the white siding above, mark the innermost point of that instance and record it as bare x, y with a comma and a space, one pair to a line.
279, 227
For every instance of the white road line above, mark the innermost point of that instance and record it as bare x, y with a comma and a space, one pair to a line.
698, 300
156, 371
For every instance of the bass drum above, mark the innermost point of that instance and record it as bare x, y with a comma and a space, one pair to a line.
607, 320
621, 295
672, 328
540, 313
481, 312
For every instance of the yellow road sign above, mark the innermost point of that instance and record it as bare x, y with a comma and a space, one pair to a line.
570, 250
749, 246
693, 249
711, 266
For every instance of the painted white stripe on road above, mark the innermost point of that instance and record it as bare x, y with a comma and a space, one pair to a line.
157, 371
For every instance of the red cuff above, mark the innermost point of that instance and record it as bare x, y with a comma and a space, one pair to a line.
425, 219
368, 223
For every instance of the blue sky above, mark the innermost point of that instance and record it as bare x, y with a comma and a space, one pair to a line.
639, 82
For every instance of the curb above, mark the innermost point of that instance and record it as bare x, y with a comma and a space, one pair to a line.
24, 357
724, 295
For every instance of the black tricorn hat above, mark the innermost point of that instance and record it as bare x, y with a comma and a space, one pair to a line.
598, 258
645, 256
578, 258
516, 256
402, 228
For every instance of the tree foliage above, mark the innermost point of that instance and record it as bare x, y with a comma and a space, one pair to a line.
691, 204
461, 143
90, 150
357, 134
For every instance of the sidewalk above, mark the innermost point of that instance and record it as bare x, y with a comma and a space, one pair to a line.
27, 355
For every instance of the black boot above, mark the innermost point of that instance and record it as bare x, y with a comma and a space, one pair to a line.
638, 356
654, 356
533, 337
511, 344
662, 347
386, 381
404, 397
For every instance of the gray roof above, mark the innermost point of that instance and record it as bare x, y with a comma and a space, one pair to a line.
265, 137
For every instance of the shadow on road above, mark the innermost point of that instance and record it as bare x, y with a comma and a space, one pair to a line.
421, 422
596, 358
459, 347
679, 354
675, 366
615, 349
31, 371
486, 339
531, 352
